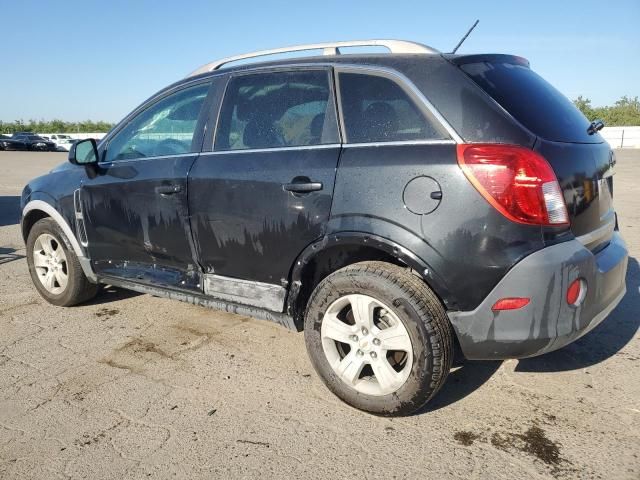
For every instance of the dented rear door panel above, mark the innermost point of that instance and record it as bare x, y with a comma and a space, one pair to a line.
245, 224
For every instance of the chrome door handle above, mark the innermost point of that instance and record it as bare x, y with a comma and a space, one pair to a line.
168, 189
305, 187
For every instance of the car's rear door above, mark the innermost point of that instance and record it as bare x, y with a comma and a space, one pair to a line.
264, 193
134, 204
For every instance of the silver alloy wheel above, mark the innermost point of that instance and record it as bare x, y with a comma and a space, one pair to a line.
366, 344
50, 263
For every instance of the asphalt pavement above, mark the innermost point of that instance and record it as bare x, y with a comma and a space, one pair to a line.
133, 386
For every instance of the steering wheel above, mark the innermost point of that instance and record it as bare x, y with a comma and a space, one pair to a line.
170, 146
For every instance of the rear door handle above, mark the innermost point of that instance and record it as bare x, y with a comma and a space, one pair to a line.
168, 189
305, 186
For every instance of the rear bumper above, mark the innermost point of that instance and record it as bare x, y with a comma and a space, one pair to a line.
547, 323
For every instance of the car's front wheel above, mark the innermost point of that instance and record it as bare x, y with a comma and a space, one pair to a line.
379, 338
54, 268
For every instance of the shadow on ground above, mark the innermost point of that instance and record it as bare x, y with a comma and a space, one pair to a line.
603, 342
108, 294
461, 382
9, 211
7, 255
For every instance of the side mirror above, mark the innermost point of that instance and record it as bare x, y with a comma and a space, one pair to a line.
84, 152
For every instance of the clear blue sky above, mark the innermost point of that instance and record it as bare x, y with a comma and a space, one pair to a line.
87, 59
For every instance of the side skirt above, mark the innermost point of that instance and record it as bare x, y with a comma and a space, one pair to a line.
245, 292
204, 301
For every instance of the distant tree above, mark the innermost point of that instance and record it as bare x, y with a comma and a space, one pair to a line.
584, 105
55, 126
625, 112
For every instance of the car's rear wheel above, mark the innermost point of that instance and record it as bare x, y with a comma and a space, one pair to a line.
54, 267
379, 338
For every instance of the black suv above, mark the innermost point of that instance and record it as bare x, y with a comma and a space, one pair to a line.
388, 204
28, 141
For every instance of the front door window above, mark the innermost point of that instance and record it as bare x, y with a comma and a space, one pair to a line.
165, 128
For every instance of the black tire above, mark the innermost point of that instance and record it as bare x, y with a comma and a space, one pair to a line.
419, 310
78, 289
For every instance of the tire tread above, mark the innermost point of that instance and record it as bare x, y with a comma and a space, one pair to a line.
426, 304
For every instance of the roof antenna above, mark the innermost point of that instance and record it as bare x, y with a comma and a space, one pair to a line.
465, 37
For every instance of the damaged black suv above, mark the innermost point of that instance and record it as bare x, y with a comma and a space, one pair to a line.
389, 205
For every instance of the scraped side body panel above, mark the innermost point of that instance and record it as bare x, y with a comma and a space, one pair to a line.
257, 294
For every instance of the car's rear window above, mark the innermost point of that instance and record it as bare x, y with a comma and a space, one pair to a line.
531, 100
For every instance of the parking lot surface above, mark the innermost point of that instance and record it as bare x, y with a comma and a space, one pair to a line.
133, 386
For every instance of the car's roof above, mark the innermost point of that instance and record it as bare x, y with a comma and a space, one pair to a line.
396, 61
370, 59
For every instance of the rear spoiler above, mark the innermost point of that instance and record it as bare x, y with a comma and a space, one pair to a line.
486, 57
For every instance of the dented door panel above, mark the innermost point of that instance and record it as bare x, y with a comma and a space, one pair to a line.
137, 221
245, 224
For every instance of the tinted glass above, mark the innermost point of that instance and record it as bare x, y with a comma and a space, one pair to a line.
278, 109
376, 109
532, 101
165, 128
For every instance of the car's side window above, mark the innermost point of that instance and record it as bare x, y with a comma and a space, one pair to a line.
377, 109
277, 109
165, 128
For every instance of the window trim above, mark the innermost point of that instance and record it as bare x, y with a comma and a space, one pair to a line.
199, 130
328, 69
435, 141
430, 113
321, 146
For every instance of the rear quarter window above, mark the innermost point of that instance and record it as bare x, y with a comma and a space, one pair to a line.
532, 101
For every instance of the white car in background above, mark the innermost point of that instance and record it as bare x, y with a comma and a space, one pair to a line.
62, 141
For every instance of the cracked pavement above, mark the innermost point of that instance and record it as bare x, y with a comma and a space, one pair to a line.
133, 386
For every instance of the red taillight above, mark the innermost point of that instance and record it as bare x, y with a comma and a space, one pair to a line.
512, 303
576, 292
518, 182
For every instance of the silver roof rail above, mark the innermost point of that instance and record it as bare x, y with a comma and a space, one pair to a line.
329, 48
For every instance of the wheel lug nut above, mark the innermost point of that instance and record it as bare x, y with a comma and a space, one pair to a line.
376, 341
374, 355
364, 331
360, 353
354, 338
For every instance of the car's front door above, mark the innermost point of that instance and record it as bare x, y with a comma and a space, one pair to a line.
265, 191
135, 206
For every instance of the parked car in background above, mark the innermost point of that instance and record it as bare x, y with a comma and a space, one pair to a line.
387, 205
63, 141
31, 142
5, 142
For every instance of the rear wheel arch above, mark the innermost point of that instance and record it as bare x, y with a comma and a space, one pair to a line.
339, 250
